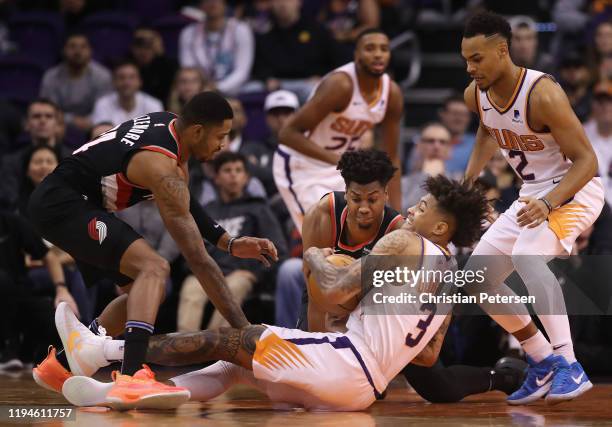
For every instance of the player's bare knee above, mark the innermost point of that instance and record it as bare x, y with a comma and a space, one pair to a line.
157, 268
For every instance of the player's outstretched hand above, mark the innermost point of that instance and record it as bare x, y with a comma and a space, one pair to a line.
62, 294
533, 213
255, 248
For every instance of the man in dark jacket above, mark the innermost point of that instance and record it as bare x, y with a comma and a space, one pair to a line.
240, 214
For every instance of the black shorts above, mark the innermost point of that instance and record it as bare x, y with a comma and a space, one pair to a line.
95, 238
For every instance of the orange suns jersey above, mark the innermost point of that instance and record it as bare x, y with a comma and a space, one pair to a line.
534, 155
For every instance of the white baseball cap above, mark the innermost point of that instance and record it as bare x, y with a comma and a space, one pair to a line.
281, 99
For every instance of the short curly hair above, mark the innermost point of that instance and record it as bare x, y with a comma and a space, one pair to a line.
467, 204
488, 24
366, 166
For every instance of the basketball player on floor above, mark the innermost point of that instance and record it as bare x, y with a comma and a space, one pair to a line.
347, 103
526, 114
141, 159
351, 222
326, 371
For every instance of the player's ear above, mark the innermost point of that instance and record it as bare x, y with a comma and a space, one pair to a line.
502, 49
441, 228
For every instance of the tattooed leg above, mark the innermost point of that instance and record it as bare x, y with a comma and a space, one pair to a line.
229, 344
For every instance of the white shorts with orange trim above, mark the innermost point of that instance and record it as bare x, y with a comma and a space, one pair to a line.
566, 222
302, 182
327, 367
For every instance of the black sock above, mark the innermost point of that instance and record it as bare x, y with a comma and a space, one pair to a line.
60, 355
137, 336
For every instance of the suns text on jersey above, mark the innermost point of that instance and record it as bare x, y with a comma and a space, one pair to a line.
509, 140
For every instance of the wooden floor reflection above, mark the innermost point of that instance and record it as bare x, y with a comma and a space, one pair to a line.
243, 406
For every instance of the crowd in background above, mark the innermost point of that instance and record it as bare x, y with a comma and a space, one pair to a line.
114, 60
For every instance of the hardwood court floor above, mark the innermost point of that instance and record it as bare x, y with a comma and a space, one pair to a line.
245, 406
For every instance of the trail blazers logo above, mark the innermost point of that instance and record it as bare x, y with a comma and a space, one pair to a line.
97, 230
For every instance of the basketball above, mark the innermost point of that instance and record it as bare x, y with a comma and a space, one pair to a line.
317, 297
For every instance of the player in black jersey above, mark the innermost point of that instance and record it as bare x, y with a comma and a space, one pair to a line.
351, 223
141, 159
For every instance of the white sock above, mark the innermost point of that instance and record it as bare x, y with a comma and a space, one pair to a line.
213, 380
550, 304
558, 329
113, 350
537, 347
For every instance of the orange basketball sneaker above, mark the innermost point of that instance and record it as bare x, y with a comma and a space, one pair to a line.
140, 390
50, 374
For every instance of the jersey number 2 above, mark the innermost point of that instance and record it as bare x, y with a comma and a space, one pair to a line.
413, 341
521, 166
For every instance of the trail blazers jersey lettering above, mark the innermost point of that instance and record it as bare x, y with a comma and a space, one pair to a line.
533, 153
98, 168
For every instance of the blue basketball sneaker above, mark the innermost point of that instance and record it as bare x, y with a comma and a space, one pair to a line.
569, 382
538, 382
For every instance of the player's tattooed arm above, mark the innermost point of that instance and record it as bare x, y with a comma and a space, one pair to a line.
428, 356
161, 175
229, 344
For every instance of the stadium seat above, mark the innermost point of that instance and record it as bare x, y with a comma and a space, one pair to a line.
38, 34
149, 10
110, 34
20, 79
256, 128
170, 27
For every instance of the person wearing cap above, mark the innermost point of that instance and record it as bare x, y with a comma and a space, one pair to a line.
599, 131
524, 45
574, 77
279, 107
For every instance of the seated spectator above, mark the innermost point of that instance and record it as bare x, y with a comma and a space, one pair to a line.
456, 116
601, 48
279, 107
17, 295
221, 47
156, 69
575, 79
43, 125
524, 45
202, 181
238, 145
39, 162
346, 19
305, 46
432, 150
240, 214
126, 101
77, 82
599, 132
188, 82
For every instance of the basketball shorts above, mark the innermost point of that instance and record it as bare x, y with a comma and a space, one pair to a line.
566, 222
330, 369
302, 182
95, 238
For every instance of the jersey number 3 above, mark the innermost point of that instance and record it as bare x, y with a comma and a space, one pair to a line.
413, 341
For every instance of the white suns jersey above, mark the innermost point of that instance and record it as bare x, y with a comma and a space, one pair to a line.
396, 333
339, 132
534, 155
